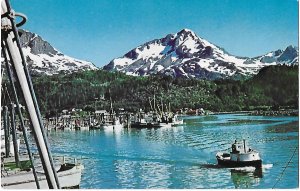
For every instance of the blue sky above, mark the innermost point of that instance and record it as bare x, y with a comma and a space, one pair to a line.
100, 30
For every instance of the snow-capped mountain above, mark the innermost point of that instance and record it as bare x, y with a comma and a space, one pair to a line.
43, 59
185, 54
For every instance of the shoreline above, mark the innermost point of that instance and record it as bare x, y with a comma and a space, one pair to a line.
289, 112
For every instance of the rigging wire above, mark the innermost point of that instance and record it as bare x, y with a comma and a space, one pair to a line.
9, 73
281, 174
7, 93
35, 104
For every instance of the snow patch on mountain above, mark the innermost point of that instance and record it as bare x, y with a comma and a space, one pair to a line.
43, 59
185, 54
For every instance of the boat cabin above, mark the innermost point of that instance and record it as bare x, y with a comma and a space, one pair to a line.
238, 147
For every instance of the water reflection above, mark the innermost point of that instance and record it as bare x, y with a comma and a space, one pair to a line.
147, 174
284, 128
246, 177
183, 156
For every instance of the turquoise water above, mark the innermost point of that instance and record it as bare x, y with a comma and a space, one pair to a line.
184, 156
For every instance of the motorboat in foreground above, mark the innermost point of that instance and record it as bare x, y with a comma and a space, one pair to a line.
240, 156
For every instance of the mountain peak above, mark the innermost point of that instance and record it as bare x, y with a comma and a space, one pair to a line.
290, 53
185, 30
291, 48
36, 43
186, 33
184, 54
43, 59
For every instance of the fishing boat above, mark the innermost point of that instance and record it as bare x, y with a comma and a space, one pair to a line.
240, 156
82, 128
111, 121
112, 125
163, 125
11, 147
176, 121
155, 119
69, 176
169, 119
46, 175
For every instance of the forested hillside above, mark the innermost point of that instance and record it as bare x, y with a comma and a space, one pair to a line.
274, 86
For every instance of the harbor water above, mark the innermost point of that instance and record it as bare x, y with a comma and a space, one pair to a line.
184, 156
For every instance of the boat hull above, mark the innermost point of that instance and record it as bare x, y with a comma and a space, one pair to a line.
143, 125
11, 147
109, 127
231, 164
67, 179
179, 122
150, 125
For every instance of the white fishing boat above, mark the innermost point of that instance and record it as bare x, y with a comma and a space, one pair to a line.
11, 147
69, 176
163, 125
112, 125
28, 176
111, 121
83, 128
176, 121
240, 156
169, 120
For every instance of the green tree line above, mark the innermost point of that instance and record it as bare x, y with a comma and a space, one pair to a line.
272, 87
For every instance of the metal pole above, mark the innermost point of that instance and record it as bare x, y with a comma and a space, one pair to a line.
15, 32
33, 118
20, 116
16, 60
14, 134
6, 131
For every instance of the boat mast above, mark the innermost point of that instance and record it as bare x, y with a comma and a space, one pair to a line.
12, 44
150, 104
162, 105
14, 134
6, 131
155, 106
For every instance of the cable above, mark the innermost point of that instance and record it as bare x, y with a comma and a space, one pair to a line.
281, 175
21, 117
28, 78
7, 94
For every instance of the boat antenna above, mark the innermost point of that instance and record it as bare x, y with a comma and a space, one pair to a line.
162, 105
111, 107
154, 105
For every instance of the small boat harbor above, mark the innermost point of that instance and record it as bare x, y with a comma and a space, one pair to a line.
27, 161
34, 166
110, 121
161, 115
16, 165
